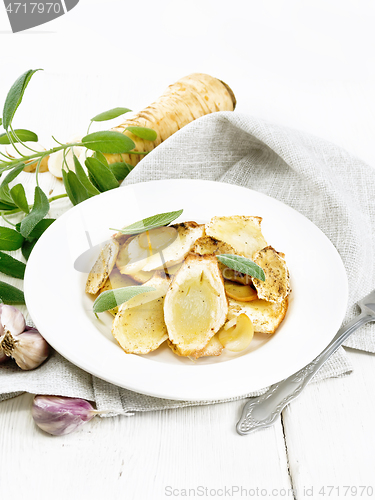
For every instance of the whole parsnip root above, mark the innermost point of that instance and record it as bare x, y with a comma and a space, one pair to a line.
190, 98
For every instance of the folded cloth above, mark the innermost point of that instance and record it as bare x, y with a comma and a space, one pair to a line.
322, 181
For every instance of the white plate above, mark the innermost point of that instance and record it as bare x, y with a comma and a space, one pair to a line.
62, 312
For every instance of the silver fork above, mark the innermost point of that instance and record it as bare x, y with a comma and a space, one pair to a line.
263, 411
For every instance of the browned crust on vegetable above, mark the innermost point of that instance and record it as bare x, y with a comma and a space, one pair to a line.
277, 285
102, 267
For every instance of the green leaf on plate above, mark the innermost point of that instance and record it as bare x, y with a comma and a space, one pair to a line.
110, 114
18, 195
108, 142
11, 267
112, 298
242, 265
22, 135
104, 178
10, 294
144, 133
150, 223
14, 97
10, 239
38, 212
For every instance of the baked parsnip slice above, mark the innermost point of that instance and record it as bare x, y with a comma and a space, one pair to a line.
276, 286
139, 325
265, 316
102, 267
195, 305
213, 348
242, 233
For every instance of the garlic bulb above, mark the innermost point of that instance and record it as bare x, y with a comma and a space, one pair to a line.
28, 349
60, 415
25, 345
3, 356
11, 320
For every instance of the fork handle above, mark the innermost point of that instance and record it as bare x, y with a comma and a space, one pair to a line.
263, 411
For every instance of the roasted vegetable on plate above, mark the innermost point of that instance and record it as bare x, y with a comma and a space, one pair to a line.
202, 288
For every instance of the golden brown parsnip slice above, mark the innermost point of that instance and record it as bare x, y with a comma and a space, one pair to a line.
136, 255
140, 329
195, 305
276, 287
187, 234
242, 233
265, 316
102, 267
206, 245
213, 348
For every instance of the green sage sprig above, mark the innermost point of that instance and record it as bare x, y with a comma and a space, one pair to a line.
79, 185
149, 223
242, 265
112, 298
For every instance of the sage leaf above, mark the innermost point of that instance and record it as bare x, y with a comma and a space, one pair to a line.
104, 178
110, 114
11, 266
39, 229
150, 223
13, 174
1, 121
120, 170
112, 298
242, 265
5, 194
10, 239
22, 136
27, 248
14, 97
108, 142
144, 133
35, 234
6, 206
82, 177
99, 156
68, 188
18, 195
38, 212
10, 294
79, 192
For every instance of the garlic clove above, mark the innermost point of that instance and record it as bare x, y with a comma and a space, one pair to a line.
28, 349
11, 319
58, 415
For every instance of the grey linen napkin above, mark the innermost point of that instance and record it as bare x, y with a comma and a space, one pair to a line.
332, 188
